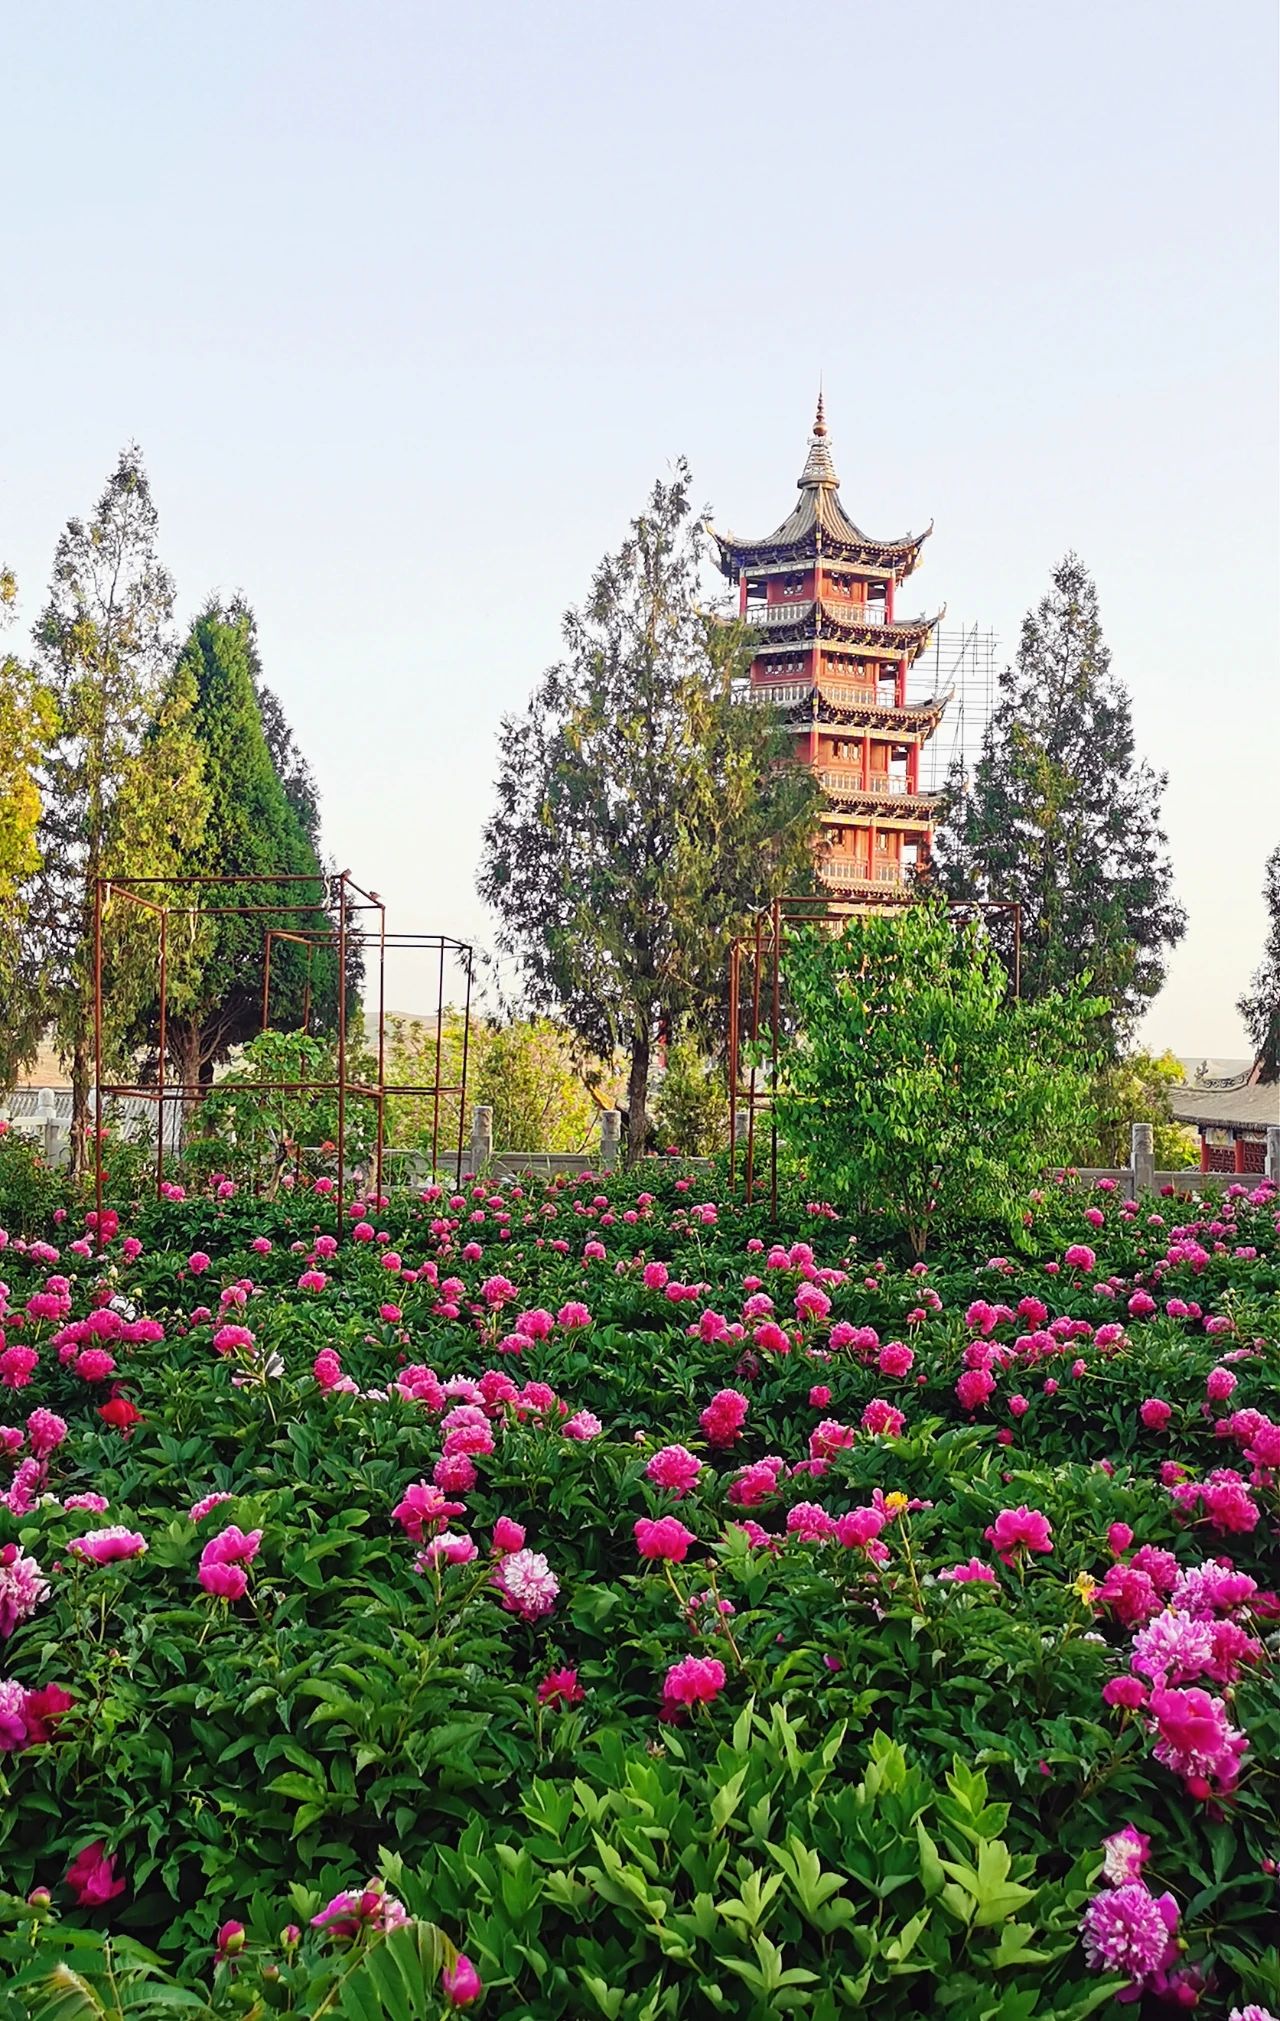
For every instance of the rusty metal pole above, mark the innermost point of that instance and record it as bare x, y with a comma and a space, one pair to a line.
466, 1043
306, 991
342, 1053
773, 1081
1017, 949
733, 1063
97, 1061
435, 1104
163, 1047
755, 1035
266, 981
382, 1056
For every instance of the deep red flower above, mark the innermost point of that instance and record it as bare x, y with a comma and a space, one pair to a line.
120, 1414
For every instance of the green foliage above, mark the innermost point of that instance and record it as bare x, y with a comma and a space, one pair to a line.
527, 1070
258, 1128
1260, 1004
1062, 816
692, 1109
911, 1087
27, 722
102, 645
641, 814
1132, 1089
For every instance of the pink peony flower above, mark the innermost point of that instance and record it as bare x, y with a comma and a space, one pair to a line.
674, 1468
46, 1433
560, 1687
881, 1419
663, 1537
1155, 1413
724, 1417
199, 1510
1019, 1530
1080, 1257
572, 1316
975, 1573
695, 1680
526, 1584
1219, 1384
424, 1507
1130, 1692
105, 1547
92, 1878
1128, 1930
1196, 1739
461, 1982
22, 1587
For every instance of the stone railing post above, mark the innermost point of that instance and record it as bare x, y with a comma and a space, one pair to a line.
481, 1138
1273, 1153
1142, 1158
610, 1139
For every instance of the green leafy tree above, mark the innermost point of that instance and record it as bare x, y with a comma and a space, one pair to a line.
1135, 1088
27, 723
249, 833
1260, 1004
544, 1094
641, 814
1062, 816
911, 1087
692, 1109
103, 646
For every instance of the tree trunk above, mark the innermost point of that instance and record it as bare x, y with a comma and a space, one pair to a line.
184, 1051
80, 1118
637, 1096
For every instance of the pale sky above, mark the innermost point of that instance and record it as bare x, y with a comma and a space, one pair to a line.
408, 304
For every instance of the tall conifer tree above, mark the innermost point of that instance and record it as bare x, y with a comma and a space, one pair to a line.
1260, 1004
642, 814
27, 721
103, 645
249, 833
1062, 816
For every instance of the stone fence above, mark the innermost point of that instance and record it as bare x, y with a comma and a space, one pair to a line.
1140, 1175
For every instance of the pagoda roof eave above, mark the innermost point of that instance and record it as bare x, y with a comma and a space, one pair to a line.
818, 518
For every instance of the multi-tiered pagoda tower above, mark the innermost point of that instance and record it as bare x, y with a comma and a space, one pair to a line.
833, 657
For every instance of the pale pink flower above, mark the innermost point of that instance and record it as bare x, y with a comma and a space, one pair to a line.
106, 1547
526, 1584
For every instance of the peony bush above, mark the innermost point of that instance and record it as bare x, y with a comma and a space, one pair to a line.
586, 1598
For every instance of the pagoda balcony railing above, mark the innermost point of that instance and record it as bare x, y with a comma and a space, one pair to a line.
842, 693
762, 614
848, 779
797, 609
849, 870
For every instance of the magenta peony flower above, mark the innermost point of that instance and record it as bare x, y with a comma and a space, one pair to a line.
461, 1982
694, 1680
674, 1468
1128, 1930
1080, 1257
560, 1687
881, 1419
663, 1537
1155, 1413
424, 1507
1019, 1530
92, 1878
46, 1433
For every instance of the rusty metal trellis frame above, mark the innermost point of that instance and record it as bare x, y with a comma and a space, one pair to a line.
762, 948
339, 895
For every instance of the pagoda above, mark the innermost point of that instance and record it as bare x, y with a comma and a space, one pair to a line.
832, 657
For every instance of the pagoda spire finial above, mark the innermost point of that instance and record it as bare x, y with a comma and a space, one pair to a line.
819, 469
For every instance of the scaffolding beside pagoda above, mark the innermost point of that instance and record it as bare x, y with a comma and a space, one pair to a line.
832, 657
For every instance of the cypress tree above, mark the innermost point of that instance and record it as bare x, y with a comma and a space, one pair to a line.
1260, 1004
1062, 816
250, 833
